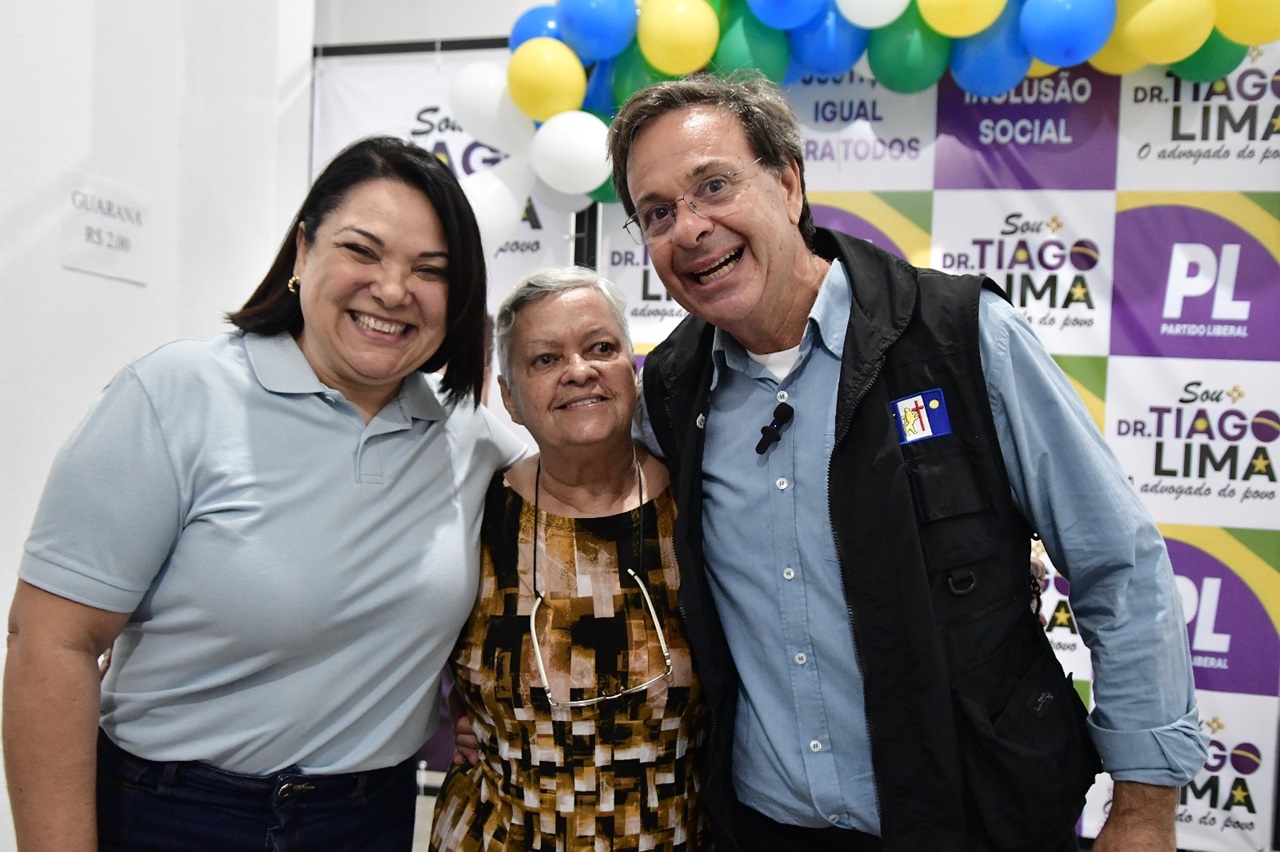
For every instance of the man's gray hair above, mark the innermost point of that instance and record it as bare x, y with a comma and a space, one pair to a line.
548, 282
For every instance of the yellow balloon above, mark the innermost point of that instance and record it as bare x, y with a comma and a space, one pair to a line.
1248, 21
545, 77
678, 37
1163, 31
1040, 69
1114, 59
960, 18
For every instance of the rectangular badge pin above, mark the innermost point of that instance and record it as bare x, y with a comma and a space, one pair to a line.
921, 415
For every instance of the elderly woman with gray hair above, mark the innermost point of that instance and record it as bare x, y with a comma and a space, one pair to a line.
573, 667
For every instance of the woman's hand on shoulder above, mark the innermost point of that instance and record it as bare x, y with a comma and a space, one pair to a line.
464, 736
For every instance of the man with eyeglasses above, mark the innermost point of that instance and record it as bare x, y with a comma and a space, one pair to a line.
861, 450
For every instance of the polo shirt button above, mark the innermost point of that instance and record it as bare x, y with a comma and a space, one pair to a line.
702, 421
788, 573
801, 658
782, 396
782, 483
815, 746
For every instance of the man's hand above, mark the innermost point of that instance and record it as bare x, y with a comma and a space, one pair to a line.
1140, 819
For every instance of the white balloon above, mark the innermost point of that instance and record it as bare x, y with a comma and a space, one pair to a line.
479, 99
561, 202
498, 197
871, 14
569, 152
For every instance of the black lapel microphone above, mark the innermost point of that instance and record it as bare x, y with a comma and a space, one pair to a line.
772, 433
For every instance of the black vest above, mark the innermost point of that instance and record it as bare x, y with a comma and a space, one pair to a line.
978, 740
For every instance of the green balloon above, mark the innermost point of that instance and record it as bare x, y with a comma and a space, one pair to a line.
631, 74
745, 42
907, 56
1215, 59
604, 192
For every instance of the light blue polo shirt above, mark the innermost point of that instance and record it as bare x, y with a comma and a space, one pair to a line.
801, 745
297, 578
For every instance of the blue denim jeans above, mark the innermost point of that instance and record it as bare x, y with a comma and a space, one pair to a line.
145, 805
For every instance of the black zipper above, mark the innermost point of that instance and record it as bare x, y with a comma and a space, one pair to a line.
840, 558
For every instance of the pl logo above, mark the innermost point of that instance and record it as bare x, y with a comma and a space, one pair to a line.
1196, 271
1194, 282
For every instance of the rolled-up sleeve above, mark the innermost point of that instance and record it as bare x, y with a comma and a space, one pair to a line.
1099, 535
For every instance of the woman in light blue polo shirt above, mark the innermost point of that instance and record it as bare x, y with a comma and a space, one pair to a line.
277, 533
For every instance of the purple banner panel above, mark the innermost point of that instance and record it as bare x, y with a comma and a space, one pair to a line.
1234, 645
1054, 132
1192, 284
855, 226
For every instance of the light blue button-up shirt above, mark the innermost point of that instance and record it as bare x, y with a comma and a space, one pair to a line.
801, 753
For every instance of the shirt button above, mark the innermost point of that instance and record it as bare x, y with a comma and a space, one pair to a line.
781, 483
782, 396
801, 658
815, 746
834, 818
788, 573
702, 421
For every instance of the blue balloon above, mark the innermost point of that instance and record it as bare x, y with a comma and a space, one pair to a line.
599, 96
795, 72
1066, 32
828, 45
993, 61
538, 22
785, 14
597, 29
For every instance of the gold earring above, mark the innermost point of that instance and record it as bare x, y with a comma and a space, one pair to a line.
293, 284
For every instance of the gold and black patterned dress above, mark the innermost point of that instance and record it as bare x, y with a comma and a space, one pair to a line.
615, 775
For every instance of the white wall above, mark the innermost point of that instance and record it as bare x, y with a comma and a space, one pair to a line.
376, 21
203, 110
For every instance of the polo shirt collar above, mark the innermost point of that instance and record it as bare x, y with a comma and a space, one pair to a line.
280, 367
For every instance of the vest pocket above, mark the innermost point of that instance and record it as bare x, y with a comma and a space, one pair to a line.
1026, 764
953, 513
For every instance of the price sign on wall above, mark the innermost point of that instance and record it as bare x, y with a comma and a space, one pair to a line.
104, 229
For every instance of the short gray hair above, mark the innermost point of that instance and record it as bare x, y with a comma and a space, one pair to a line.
548, 282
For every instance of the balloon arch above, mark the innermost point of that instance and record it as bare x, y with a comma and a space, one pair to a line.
574, 62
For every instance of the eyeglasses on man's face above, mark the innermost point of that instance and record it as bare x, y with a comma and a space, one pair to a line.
710, 196
603, 696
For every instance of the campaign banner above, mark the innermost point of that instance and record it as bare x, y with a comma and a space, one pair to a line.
1195, 275
897, 222
1051, 252
1223, 135
1053, 132
858, 135
1198, 438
